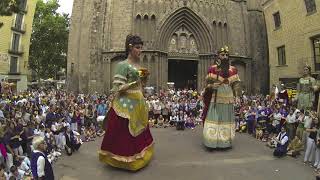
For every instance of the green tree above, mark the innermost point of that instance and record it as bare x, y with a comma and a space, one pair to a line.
8, 7
49, 40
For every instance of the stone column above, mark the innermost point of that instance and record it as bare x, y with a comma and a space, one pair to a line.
150, 70
249, 89
148, 65
199, 74
165, 65
108, 76
157, 59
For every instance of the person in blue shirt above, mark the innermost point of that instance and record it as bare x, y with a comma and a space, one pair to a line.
102, 108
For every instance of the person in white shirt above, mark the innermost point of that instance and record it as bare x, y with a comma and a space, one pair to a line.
16, 173
276, 120
40, 166
311, 141
39, 131
307, 125
1, 113
282, 141
291, 120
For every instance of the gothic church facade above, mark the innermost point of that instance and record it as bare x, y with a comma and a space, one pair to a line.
173, 31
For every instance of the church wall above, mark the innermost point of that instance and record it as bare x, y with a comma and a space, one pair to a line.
229, 22
78, 47
236, 16
121, 23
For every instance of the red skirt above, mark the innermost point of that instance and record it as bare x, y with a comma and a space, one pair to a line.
118, 140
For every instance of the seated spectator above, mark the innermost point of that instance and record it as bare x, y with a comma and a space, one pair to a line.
198, 120
265, 136
190, 123
282, 143
160, 122
24, 165
242, 126
151, 122
15, 173
71, 142
3, 174
88, 134
173, 119
259, 132
295, 147
180, 121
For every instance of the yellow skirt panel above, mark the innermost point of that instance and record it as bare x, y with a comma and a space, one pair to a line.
127, 162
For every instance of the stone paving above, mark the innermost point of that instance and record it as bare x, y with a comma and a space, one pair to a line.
179, 155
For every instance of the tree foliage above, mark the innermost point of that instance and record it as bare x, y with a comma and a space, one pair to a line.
8, 7
49, 40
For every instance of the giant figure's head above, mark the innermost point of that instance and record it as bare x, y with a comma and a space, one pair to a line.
306, 70
224, 60
133, 47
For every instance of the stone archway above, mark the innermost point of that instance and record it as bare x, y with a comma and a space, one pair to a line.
185, 17
182, 34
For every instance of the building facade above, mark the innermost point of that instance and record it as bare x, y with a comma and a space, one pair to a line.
15, 37
180, 39
293, 37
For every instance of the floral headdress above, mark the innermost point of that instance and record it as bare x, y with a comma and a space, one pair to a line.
224, 49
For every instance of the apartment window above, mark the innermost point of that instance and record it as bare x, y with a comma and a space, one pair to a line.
15, 42
72, 68
13, 64
316, 51
281, 56
277, 21
18, 23
22, 4
310, 6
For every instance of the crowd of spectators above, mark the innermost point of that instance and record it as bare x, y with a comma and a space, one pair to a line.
65, 121
175, 108
281, 125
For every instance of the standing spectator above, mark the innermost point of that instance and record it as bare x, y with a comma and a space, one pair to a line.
40, 166
157, 110
307, 125
276, 121
300, 122
311, 141
317, 156
250, 116
290, 121
165, 112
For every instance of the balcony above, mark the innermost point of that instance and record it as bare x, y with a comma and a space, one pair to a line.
15, 26
14, 73
16, 50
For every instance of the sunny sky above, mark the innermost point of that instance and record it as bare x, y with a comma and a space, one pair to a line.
65, 6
